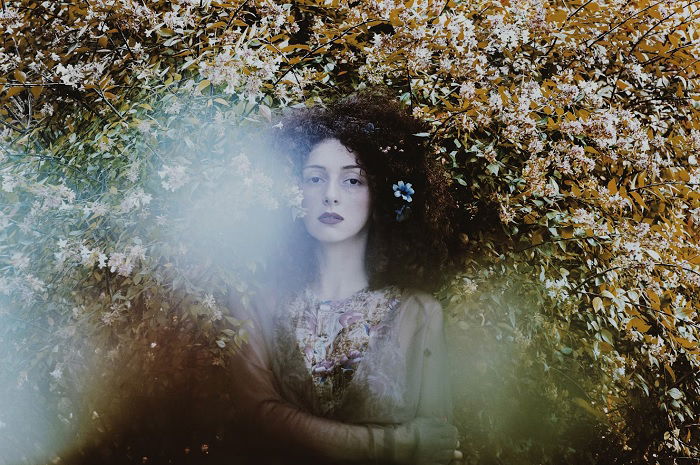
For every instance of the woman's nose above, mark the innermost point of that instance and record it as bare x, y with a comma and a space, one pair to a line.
331, 195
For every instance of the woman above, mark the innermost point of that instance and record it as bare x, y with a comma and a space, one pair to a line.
346, 360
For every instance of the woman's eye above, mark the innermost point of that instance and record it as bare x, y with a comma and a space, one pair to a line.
313, 179
353, 181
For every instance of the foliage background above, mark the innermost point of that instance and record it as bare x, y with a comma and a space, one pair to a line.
570, 129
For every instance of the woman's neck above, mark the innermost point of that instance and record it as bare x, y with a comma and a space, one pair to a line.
341, 268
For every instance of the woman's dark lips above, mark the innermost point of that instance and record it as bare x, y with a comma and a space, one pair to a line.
330, 218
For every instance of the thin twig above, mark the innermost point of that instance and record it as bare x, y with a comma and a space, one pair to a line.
646, 307
554, 42
563, 239
634, 46
665, 184
310, 53
112, 107
603, 34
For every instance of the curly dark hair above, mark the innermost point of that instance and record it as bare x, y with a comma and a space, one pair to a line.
419, 252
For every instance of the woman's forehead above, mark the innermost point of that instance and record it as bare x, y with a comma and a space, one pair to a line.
331, 154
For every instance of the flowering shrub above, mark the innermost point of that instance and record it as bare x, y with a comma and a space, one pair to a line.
571, 133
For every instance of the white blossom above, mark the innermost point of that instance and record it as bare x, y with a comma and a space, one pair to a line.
70, 75
173, 177
19, 260
9, 183
136, 199
57, 373
209, 301
121, 263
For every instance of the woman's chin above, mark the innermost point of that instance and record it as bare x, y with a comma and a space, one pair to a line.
329, 236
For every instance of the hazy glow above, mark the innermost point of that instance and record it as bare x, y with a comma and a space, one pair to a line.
30, 431
233, 219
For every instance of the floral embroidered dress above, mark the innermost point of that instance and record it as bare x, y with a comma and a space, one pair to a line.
314, 373
325, 352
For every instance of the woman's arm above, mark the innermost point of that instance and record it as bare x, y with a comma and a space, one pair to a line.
292, 430
435, 392
287, 428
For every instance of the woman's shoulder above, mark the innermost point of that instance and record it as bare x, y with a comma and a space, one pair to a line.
251, 304
419, 296
420, 302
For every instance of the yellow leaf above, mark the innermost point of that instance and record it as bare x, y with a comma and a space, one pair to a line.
36, 91
575, 190
685, 342
394, 17
203, 85
584, 404
639, 199
558, 16
670, 371
654, 300
612, 186
289, 48
20, 76
674, 40
640, 179
537, 238
638, 324
623, 192
530, 218
598, 304
605, 346
14, 90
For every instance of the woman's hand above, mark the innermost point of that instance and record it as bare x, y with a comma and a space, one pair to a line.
426, 441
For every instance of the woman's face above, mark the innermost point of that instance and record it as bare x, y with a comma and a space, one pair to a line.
336, 194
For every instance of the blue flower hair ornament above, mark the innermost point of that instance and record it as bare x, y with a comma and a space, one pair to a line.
403, 191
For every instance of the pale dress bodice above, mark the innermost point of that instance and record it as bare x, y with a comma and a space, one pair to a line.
340, 359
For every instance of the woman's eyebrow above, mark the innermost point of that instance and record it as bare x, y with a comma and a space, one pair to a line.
348, 167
